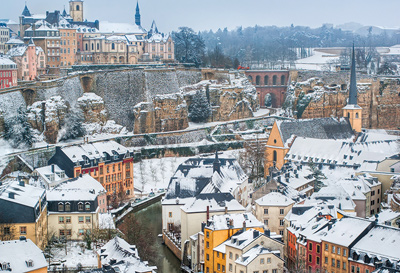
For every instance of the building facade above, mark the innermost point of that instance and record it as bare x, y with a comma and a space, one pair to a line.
8, 73
4, 37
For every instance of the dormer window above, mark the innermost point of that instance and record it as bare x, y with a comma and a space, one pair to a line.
80, 206
60, 206
5, 266
87, 206
67, 206
29, 263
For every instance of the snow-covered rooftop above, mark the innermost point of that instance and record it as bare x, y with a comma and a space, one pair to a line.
215, 202
345, 231
381, 241
19, 253
18, 192
233, 221
274, 199
108, 27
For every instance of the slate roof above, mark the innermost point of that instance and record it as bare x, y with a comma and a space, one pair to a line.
320, 128
215, 202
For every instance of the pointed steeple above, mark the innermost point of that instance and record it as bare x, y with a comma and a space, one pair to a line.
216, 163
31, 43
26, 11
353, 81
137, 15
64, 13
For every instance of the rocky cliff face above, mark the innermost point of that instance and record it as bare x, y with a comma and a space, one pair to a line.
324, 97
48, 116
231, 97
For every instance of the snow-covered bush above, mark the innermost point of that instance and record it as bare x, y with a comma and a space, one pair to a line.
199, 109
17, 129
73, 126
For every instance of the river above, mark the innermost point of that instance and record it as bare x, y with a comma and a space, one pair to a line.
151, 217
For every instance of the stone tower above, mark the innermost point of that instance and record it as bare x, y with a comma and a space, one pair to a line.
352, 110
76, 10
137, 15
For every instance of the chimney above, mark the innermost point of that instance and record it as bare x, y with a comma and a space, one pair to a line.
177, 188
22, 238
52, 168
208, 212
11, 195
267, 232
226, 210
244, 225
256, 233
80, 175
203, 225
21, 183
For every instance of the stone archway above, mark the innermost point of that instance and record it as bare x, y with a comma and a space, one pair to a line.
29, 95
87, 83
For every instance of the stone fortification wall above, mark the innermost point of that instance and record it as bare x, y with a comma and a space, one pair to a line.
326, 96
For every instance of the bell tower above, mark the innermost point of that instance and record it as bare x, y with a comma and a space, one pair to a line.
76, 10
352, 110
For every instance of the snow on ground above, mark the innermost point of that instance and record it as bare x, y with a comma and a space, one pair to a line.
76, 253
261, 112
5, 149
319, 61
156, 173
106, 221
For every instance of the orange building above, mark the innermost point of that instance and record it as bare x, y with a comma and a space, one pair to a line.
108, 162
68, 47
220, 228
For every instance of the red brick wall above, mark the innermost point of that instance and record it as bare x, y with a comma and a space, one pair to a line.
270, 81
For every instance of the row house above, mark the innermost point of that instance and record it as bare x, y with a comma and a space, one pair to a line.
73, 210
217, 230
4, 37
108, 162
249, 251
8, 73
30, 59
48, 38
23, 212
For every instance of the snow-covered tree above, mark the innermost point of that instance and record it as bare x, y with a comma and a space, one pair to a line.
317, 174
17, 129
72, 125
189, 46
199, 109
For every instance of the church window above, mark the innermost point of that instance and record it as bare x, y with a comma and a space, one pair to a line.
77, 7
274, 80
348, 115
113, 46
283, 80
275, 156
266, 80
257, 80
356, 115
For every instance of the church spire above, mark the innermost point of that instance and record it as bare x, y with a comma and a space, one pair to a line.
137, 15
26, 11
353, 82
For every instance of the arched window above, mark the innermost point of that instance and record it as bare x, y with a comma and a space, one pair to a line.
258, 80
92, 46
274, 80
67, 206
348, 115
266, 80
356, 115
275, 156
80, 206
112, 46
77, 7
87, 206
86, 47
283, 80
98, 46
60, 206
251, 79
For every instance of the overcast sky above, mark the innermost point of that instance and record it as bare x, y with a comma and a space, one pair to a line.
214, 14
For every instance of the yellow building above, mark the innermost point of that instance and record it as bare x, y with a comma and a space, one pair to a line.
21, 256
337, 240
23, 212
249, 251
284, 133
220, 228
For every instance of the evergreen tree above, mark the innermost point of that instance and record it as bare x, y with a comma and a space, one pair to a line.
199, 109
72, 125
318, 176
17, 129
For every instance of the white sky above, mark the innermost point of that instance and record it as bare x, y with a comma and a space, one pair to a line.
214, 14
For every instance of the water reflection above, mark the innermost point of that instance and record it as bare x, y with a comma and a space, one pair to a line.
166, 260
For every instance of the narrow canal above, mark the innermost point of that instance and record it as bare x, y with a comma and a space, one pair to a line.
151, 218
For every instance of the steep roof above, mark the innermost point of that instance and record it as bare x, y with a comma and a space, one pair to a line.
353, 81
196, 175
233, 221
274, 199
320, 128
26, 12
26, 195
19, 253
215, 202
